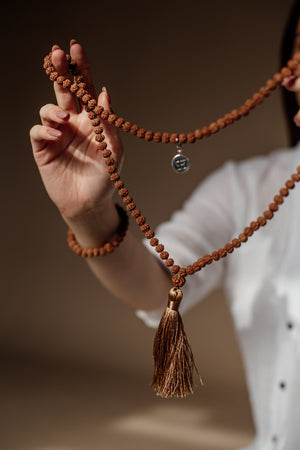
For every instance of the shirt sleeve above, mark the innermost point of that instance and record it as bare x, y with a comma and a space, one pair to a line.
205, 223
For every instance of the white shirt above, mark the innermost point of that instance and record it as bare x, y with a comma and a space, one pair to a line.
261, 279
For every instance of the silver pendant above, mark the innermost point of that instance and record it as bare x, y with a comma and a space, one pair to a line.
180, 162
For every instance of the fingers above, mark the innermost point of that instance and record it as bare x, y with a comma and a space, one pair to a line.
79, 55
291, 83
65, 99
104, 100
53, 116
41, 135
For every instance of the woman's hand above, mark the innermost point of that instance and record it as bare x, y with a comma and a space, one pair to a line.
65, 150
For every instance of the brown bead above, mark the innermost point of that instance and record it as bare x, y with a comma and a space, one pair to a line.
98, 130
149, 234
284, 192
99, 137
165, 138
154, 242
173, 138
98, 110
290, 184
157, 137
92, 115
271, 84
190, 269
102, 146
118, 184
207, 259
141, 133
182, 138
268, 214
112, 118
164, 255
53, 76
278, 77
248, 231
286, 72
114, 177
291, 64
229, 248
175, 269
86, 98
243, 237
262, 221
127, 199
119, 122
254, 225
196, 266
250, 103
80, 93
213, 128
221, 123
228, 119
96, 122
127, 126
123, 192
92, 103
198, 134
178, 281
106, 154
295, 177
244, 110
206, 131
236, 243
130, 206
298, 170
273, 207
67, 83
159, 248
215, 256
145, 228
222, 252
182, 272
191, 138
140, 220
104, 114
264, 91
111, 169
60, 79
136, 213
235, 114
278, 199
49, 70
169, 262
258, 98
109, 161
108, 247
149, 135
134, 129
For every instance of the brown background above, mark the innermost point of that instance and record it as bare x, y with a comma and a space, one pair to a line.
169, 65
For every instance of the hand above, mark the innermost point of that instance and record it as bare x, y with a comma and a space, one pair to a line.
65, 150
292, 84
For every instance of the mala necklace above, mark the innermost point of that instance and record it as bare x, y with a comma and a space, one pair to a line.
174, 364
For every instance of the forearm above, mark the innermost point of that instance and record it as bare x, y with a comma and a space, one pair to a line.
130, 272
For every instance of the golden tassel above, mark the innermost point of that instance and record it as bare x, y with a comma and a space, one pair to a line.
173, 358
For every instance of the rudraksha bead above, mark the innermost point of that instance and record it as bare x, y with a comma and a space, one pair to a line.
182, 272
284, 192
154, 242
264, 91
126, 126
243, 110
159, 248
145, 228
191, 138
250, 103
190, 269
104, 115
175, 269
169, 262
236, 243
112, 118
182, 138
243, 237
206, 131
140, 220
127, 199
271, 84
258, 98
178, 281
134, 129
198, 134
278, 199
254, 225
123, 192
149, 135
135, 213
295, 177
273, 207
262, 221
164, 255
248, 231
213, 128
268, 214
119, 122
207, 259
165, 138
141, 133
228, 119
149, 234
290, 184
235, 114
215, 255
229, 248
114, 177
222, 252
98, 110
157, 137
173, 138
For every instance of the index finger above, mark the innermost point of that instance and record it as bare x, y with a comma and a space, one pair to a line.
79, 56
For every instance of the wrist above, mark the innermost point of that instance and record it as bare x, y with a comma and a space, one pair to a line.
94, 227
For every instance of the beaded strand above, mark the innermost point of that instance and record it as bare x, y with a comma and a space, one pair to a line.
96, 113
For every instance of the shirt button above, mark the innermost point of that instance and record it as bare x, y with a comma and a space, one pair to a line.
290, 325
282, 385
274, 439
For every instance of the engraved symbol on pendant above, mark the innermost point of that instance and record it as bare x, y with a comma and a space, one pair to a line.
180, 162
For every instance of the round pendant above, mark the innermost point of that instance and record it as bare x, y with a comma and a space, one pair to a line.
180, 163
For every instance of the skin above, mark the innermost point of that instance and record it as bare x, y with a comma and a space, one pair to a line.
75, 178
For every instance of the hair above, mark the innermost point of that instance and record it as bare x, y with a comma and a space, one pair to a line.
289, 99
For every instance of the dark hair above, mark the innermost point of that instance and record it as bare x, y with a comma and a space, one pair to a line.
289, 98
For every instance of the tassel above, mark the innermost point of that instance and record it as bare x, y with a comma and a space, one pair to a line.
173, 358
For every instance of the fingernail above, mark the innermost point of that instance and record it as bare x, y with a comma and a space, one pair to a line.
106, 92
72, 42
297, 120
53, 132
62, 114
289, 81
55, 47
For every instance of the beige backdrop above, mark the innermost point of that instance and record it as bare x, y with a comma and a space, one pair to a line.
169, 65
